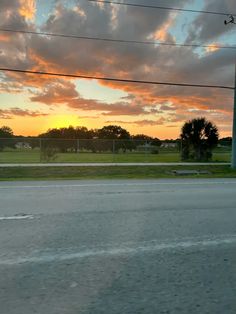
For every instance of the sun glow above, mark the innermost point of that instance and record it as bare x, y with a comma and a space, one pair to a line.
60, 121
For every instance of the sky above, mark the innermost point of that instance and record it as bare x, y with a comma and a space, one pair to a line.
31, 104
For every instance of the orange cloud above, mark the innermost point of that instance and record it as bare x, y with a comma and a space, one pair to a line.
10, 113
212, 48
162, 33
4, 37
48, 54
58, 92
141, 123
27, 8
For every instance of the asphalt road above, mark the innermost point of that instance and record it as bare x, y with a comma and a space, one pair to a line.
155, 246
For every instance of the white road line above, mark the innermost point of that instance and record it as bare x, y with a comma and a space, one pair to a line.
148, 247
17, 217
202, 183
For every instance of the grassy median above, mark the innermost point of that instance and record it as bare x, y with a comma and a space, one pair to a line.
113, 172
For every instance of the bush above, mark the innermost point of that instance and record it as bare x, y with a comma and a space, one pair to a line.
49, 153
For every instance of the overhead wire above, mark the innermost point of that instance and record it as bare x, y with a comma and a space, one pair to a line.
162, 7
115, 79
7, 30
125, 41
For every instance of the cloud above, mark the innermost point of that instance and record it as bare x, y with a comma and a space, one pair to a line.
10, 14
4, 115
88, 117
167, 108
56, 92
207, 28
10, 87
214, 47
141, 123
27, 8
114, 109
64, 92
221, 119
10, 113
147, 62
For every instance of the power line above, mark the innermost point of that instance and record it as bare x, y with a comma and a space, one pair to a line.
117, 40
161, 7
115, 79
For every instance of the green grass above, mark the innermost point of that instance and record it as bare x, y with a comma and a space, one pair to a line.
130, 172
34, 157
19, 157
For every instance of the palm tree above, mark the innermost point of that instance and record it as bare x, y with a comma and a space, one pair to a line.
198, 137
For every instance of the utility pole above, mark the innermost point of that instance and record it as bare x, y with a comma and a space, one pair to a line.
232, 20
233, 164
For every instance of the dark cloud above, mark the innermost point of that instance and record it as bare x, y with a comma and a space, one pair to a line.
54, 93
210, 27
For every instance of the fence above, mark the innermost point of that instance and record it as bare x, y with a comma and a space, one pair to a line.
29, 150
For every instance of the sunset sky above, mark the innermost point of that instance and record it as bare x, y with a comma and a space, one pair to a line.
31, 104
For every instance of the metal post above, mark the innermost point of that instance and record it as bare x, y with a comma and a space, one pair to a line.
146, 147
113, 150
232, 20
233, 164
40, 150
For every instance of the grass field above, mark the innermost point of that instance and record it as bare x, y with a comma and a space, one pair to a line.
130, 172
33, 156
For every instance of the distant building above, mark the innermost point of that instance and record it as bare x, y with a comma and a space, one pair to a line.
168, 145
147, 148
23, 145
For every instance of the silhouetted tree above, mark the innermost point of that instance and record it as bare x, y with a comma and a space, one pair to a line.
6, 138
54, 141
226, 141
199, 137
6, 132
68, 133
95, 140
142, 139
66, 138
83, 133
113, 132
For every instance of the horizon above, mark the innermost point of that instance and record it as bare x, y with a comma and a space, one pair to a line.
31, 104
162, 139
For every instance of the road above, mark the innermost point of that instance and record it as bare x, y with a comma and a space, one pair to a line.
135, 246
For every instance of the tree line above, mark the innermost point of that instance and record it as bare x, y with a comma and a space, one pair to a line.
110, 132
197, 140
95, 140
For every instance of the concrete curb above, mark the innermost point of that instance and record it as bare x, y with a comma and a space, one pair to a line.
160, 164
